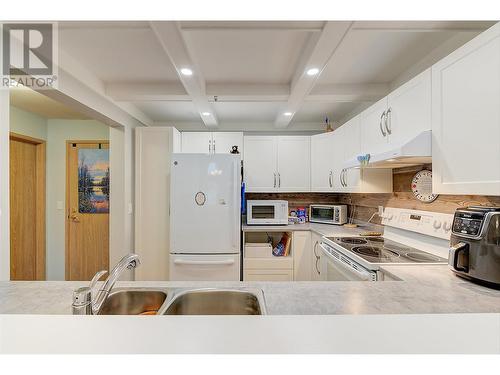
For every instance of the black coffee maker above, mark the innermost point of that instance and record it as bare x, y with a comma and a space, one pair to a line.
475, 245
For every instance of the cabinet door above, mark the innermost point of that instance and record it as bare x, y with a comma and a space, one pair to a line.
301, 252
223, 142
409, 109
351, 142
294, 163
321, 162
466, 118
260, 163
315, 254
373, 128
196, 142
268, 275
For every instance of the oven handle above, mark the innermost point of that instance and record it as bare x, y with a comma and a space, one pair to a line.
365, 276
205, 262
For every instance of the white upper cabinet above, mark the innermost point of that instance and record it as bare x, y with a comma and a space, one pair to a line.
196, 142
294, 163
273, 163
466, 118
260, 163
373, 133
223, 142
211, 142
350, 178
399, 117
322, 162
409, 109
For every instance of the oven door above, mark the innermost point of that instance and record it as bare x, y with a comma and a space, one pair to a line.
336, 267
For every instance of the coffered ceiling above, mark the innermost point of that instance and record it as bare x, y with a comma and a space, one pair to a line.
250, 74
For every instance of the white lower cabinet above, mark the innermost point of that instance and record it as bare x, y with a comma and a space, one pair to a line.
301, 250
315, 255
466, 118
268, 275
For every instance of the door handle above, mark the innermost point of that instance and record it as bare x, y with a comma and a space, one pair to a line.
330, 179
274, 179
209, 147
279, 180
74, 217
214, 146
382, 117
454, 253
344, 182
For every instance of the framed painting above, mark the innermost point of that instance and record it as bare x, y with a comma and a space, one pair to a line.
93, 181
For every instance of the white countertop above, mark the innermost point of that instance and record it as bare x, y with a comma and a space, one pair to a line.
321, 229
421, 314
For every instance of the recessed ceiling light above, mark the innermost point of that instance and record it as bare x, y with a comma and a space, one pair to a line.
287, 113
312, 71
187, 71
206, 113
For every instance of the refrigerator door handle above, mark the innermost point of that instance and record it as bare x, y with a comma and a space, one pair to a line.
227, 262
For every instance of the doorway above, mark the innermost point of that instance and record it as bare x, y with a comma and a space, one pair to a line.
87, 204
27, 207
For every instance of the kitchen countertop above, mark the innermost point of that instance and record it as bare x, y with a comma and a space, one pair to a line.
321, 229
423, 289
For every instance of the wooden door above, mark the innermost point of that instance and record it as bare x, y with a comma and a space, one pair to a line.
27, 208
294, 163
466, 118
87, 205
260, 165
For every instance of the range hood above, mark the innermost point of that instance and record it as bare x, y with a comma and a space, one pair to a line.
416, 151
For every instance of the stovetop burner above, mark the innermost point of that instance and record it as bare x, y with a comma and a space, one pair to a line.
382, 250
353, 240
375, 239
375, 252
422, 257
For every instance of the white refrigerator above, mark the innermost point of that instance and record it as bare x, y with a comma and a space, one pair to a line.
205, 221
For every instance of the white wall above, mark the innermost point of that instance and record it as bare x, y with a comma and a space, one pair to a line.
58, 131
27, 123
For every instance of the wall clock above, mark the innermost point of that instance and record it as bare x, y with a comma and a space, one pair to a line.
421, 186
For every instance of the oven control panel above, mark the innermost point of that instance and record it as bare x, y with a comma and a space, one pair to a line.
434, 224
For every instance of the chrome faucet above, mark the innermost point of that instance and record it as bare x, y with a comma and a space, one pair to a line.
86, 302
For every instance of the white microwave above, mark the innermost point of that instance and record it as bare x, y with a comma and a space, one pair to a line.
267, 212
328, 214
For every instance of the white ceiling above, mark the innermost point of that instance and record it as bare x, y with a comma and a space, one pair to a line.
256, 69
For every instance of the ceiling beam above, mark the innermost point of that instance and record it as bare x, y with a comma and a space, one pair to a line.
337, 93
243, 92
422, 26
318, 53
170, 37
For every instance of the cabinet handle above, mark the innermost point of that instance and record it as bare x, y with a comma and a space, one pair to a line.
214, 147
382, 117
317, 258
388, 121
330, 179
209, 147
344, 178
274, 179
279, 180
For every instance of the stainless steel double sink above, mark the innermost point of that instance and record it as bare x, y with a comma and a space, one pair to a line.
184, 301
